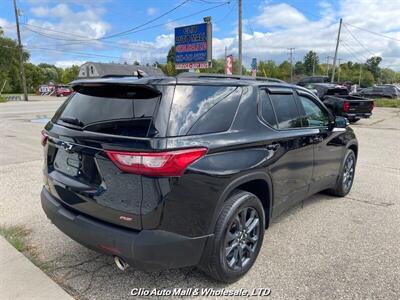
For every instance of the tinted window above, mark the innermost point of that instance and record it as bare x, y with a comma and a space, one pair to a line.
219, 118
126, 112
314, 116
286, 111
267, 112
190, 103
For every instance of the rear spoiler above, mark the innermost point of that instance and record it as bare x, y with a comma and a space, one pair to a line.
109, 87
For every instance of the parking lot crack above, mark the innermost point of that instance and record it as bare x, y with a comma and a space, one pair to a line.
382, 204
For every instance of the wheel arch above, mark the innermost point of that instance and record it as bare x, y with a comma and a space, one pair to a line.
257, 183
354, 148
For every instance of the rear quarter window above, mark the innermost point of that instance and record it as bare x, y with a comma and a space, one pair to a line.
202, 109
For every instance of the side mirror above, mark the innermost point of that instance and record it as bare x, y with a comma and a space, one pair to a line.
341, 122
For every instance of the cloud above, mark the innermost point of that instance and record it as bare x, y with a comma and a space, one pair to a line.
149, 52
171, 25
77, 24
59, 11
280, 15
151, 11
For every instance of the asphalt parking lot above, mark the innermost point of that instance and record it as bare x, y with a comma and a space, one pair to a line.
323, 248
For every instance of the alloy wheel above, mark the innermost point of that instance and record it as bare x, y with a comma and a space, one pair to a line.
242, 238
348, 172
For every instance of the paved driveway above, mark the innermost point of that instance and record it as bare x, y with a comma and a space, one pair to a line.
324, 248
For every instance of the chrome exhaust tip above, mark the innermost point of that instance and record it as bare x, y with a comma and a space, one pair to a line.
121, 264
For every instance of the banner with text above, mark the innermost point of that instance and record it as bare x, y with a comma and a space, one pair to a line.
193, 46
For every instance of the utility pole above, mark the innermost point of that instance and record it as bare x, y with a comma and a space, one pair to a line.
21, 57
313, 67
291, 63
225, 59
336, 50
327, 65
338, 78
240, 36
359, 77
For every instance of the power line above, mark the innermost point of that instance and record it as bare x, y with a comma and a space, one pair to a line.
361, 44
146, 23
348, 46
375, 33
115, 34
142, 29
351, 53
226, 15
113, 44
65, 51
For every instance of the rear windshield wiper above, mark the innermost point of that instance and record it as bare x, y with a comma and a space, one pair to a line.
71, 120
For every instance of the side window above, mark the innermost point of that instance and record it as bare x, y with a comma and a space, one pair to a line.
193, 106
267, 112
286, 111
314, 116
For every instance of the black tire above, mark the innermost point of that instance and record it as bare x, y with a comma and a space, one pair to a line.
352, 121
224, 262
346, 176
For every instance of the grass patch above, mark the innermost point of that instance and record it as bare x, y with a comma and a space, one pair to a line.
384, 102
2, 99
16, 236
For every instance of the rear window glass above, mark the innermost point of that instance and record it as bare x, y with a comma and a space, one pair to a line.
193, 106
126, 111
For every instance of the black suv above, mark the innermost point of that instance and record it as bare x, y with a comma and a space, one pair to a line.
165, 172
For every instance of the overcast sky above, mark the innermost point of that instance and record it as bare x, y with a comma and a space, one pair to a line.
66, 32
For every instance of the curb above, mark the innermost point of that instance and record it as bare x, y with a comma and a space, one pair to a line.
21, 279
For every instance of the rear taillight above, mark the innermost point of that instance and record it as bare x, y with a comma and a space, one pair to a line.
371, 105
43, 138
169, 163
346, 106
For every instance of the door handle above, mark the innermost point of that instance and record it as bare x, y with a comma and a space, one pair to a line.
273, 146
317, 139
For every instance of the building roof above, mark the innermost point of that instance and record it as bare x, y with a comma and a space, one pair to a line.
113, 69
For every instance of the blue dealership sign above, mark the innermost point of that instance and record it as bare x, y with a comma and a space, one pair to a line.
193, 46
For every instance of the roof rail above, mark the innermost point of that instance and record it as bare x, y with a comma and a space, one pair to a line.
224, 76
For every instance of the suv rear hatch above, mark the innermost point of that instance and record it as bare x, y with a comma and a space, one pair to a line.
113, 148
79, 172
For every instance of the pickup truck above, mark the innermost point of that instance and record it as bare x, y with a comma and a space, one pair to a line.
336, 97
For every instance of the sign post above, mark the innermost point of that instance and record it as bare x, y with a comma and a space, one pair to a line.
229, 64
193, 46
254, 67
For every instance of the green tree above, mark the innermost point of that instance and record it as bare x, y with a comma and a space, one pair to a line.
387, 76
373, 66
171, 55
299, 68
311, 61
367, 78
51, 73
70, 74
284, 71
9, 64
34, 77
267, 69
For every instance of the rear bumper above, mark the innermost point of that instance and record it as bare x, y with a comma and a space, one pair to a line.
357, 115
146, 249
